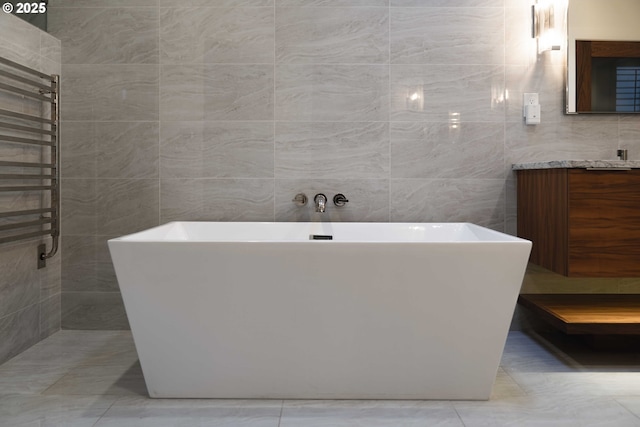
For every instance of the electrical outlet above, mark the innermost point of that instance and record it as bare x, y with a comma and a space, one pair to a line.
529, 99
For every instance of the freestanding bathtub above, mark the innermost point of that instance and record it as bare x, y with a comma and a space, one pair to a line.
277, 310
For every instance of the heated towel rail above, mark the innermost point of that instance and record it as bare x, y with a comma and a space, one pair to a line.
29, 156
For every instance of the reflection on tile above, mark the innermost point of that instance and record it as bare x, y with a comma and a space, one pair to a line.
217, 150
332, 92
454, 150
340, 35
92, 35
332, 150
217, 92
217, 200
217, 35
468, 93
447, 35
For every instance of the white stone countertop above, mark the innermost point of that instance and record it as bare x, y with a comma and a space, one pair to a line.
578, 164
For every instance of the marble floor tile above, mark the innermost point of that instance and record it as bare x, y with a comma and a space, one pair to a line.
144, 412
369, 413
543, 411
93, 379
52, 411
101, 380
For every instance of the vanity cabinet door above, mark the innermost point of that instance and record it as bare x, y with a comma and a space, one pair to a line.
604, 223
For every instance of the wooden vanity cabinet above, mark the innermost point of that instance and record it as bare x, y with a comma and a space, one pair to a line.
583, 223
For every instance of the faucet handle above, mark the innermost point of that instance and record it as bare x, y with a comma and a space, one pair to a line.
300, 199
339, 200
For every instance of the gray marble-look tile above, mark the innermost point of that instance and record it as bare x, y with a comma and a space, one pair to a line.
94, 35
127, 149
73, 348
19, 37
102, 3
93, 311
110, 92
479, 201
217, 92
342, 93
192, 412
126, 205
448, 3
217, 149
50, 47
217, 200
79, 264
446, 93
120, 380
368, 413
19, 280
631, 403
546, 411
218, 3
578, 138
332, 150
453, 150
19, 331
332, 3
50, 309
78, 150
332, 35
473, 35
368, 200
629, 135
78, 206
52, 411
217, 35
27, 378
105, 274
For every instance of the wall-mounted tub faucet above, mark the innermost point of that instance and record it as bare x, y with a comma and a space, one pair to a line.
321, 202
339, 200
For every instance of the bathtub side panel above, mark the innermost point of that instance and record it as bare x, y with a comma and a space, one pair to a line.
320, 320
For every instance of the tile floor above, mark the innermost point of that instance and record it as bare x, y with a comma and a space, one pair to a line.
93, 379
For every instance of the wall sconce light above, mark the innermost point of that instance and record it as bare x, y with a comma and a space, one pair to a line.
545, 25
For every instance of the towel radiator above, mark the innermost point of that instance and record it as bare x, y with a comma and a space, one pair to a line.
29, 156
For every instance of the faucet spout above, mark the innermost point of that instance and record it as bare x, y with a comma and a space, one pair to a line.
321, 201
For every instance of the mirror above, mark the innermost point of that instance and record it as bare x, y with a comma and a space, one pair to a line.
603, 73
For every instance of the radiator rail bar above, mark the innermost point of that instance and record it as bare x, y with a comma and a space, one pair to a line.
17, 127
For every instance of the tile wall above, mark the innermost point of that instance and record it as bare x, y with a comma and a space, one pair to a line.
29, 298
224, 110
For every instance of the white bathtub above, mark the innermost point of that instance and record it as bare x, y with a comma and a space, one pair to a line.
259, 310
